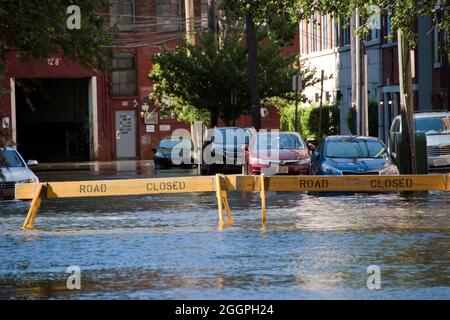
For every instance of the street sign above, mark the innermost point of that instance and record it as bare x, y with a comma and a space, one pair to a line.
296, 83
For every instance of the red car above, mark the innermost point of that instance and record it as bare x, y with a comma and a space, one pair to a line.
276, 153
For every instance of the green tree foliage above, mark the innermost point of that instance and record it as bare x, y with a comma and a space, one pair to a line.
403, 12
308, 114
196, 81
37, 29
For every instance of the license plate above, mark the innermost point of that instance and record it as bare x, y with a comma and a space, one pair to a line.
439, 162
282, 169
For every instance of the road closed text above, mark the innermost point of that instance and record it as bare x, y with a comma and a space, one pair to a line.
391, 184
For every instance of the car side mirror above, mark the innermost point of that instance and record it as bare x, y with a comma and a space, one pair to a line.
394, 157
154, 150
32, 163
316, 155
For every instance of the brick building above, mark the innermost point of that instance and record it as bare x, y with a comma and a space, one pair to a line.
77, 115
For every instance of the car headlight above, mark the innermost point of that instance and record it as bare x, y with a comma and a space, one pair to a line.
330, 170
390, 170
303, 161
259, 161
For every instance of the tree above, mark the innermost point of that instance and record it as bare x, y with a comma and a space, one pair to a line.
37, 29
275, 16
197, 81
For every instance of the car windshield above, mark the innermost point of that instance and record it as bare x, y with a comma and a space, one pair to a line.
228, 136
278, 141
170, 144
433, 125
356, 148
10, 159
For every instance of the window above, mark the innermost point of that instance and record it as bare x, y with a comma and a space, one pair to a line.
324, 29
387, 28
121, 12
313, 26
10, 159
346, 33
168, 15
438, 39
372, 35
124, 75
336, 37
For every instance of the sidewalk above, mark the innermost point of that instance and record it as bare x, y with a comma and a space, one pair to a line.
70, 171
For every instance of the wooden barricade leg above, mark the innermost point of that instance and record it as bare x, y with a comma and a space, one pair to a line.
34, 207
222, 201
263, 199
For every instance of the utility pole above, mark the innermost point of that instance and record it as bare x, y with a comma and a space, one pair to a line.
252, 70
358, 75
353, 66
365, 113
406, 103
297, 87
321, 105
190, 20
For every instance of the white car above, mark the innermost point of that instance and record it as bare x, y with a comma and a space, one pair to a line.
436, 126
13, 169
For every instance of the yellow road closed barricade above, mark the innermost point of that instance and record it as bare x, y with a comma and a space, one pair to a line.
221, 184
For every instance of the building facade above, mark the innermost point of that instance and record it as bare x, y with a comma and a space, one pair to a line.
57, 110
326, 44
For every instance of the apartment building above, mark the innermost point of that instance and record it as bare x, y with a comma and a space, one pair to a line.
326, 44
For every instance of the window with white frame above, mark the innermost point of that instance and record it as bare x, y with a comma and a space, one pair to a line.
324, 30
168, 15
313, 34
437, 41
336, 33
346, 36
122, 14
123, 77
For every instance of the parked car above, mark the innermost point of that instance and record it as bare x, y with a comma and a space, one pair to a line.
277, 153
13, 169
352, 155
173, 152
436, 126
222, 149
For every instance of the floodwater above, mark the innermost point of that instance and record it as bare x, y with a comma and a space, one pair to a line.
168, 247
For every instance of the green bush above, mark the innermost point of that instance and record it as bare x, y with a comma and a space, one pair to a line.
310, 121
308, 117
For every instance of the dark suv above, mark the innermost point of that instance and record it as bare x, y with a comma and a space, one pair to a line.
223, 149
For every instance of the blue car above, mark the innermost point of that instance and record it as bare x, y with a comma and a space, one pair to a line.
351, 155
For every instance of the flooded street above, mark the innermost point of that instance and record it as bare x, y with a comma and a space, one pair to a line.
168, 247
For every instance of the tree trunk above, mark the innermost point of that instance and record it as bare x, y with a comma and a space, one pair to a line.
214, 118
253, 72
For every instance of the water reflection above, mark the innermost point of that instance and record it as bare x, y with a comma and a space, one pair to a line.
160, 247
